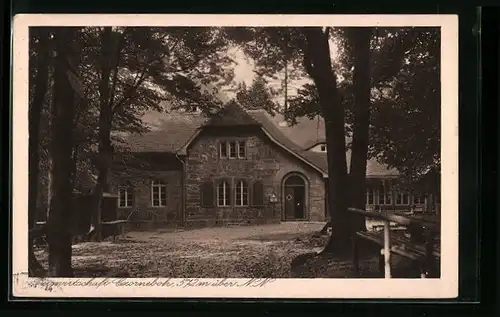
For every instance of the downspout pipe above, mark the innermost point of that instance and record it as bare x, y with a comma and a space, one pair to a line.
183, 190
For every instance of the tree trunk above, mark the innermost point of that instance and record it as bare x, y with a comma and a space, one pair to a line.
35, 111
58, 232
105, 119
318, 64
359, 38
74, 162
285, 103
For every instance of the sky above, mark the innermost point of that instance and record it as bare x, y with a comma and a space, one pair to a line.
244, 72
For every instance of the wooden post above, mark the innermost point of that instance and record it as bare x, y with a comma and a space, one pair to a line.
355, 258
394, 195
385, 192
49, 189
431, 268
98, 229
429, 204
381, 263
387, 249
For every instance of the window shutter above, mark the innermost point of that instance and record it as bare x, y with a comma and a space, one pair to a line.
258, 194
132, 193
207, 195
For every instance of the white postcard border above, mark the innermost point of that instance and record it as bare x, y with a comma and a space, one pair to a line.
445, 287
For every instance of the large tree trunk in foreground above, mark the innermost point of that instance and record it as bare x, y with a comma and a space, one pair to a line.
35, 111
359, 38
105, 116
318, 64
58, 225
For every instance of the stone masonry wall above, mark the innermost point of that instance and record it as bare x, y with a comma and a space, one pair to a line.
265, 161
142, 208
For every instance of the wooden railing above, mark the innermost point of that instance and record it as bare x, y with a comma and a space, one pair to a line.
420, 247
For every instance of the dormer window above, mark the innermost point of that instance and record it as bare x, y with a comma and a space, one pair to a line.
232, 149
233, 146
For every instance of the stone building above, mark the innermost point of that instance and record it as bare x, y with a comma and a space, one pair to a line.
239, 166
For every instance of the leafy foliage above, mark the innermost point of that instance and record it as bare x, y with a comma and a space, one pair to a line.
257, 96
270, 47
150, 67
406, 115
405, 90
158, 64
304, 104
405, 98
276, 53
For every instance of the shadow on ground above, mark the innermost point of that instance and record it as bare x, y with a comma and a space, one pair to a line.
286, 250
326, 265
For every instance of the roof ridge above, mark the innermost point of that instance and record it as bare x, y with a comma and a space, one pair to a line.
232, 114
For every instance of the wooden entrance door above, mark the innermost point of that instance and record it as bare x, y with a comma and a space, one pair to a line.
294, 198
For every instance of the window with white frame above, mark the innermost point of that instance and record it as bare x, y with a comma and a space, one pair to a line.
371, 194
384, 196
223, 194
158, 193
402, 198
125, 196
232, 149
241, 193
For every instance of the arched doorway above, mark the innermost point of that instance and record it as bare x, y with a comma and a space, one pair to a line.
294, 197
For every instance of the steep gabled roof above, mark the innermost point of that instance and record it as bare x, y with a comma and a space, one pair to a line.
304, 132
278, 137
267, 124
230, 116
265, 120
174, 132
169, 132
309, 132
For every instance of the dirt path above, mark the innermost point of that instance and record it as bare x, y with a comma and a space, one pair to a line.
248, 251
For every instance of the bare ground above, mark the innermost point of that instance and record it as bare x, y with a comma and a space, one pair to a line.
232, 252
247, 251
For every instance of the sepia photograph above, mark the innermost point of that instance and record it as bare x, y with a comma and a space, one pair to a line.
235, 156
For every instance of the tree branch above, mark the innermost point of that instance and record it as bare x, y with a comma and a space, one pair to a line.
174, 45
139, 79
119, 48
183, 69
308, 59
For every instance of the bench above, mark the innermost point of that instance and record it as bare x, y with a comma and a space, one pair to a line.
421, 248
113, 228
118, 227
